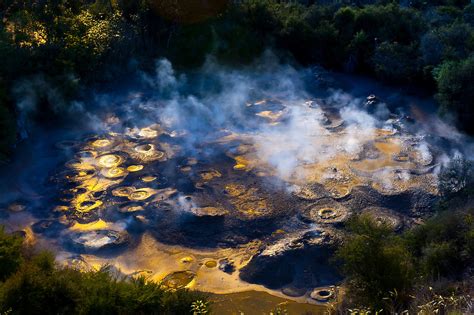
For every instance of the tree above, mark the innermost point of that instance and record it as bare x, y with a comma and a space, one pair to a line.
396, 62
457, 39
456, 91
344, 21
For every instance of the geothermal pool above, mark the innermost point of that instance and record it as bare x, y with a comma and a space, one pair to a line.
227, 181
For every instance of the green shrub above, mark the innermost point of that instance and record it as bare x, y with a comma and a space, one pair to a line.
385, 270
396, 62
36, 284
442, 246
10, 254
93, 40
344, 21
456, 91
37, 288
390, 23
468, 14
376, 262
457, 39
41, 287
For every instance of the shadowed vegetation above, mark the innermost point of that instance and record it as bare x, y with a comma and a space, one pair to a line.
36, 284
398, 272
426, 43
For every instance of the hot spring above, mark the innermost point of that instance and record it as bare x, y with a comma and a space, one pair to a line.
228, 181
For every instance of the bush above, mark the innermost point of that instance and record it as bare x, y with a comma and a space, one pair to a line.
385, 270
396, 62
344, 21
37, 285
390, 23
10, 254
468, 14
94, 40
457, 39
376, 262
456, 91
443, 245
41, 287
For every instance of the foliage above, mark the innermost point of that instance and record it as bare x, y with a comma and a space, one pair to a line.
435, 303
199, 307
89, 38
443, 246
455, 89
363, 311
395, 62
386, 270
37, 285
418, 42
10, 254
376, 262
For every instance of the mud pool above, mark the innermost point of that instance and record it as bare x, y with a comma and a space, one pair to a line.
240, 188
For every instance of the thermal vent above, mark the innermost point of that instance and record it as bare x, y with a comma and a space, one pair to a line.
249, 187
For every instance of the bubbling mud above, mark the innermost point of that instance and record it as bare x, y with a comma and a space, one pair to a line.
134, 168
302, 184
141, 194
178, 280
323, 294
146, 153
260, 206
110, 160
88, 205
101, 143
114, 172
329, 215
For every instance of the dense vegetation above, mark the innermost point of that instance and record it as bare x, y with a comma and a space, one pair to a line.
421, 269
61, 45
425, 269
35, 284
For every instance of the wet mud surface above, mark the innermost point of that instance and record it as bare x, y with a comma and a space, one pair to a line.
244, 208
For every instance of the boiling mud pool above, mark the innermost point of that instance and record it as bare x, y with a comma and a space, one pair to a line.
250, 201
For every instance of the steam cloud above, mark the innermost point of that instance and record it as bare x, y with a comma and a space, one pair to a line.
215, 98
